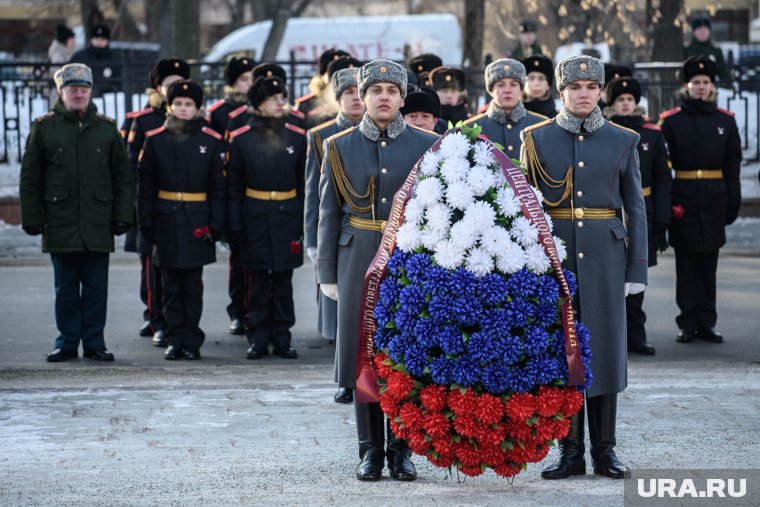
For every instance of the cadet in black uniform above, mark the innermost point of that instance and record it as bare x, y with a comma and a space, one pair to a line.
624, 95
312, 105
423, 64
537, 94
181, 192
265, 182
706, 153
421, 108
164, 73
449, 84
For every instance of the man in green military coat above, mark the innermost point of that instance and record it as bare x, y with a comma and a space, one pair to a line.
701, 44
77, 190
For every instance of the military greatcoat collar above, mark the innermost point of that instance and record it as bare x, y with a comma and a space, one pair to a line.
392, 131
501, 117
344, 122
567, 121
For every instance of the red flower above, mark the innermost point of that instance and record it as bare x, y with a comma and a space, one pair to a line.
492, 455
295, 246
549, 401
466, 425
507, 470
520, 406
486, 435
573, 402
544, 430
201, 232
436, 424
400, 430
677, 211
561, 427
411, 416
471, 471
489, 409
467, 454
433, 397
462, 403
381, 370
389, 406
399, 385
417, 442
443, 446
443, 461
519, 430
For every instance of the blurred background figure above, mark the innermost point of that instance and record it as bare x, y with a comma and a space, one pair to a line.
701, 44
527, 44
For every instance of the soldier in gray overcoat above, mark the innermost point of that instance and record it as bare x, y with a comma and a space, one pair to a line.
588, 172
351, 111
506, 115
363, 168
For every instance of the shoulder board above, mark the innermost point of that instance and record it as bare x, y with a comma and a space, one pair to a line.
237, 132
323, 125
651, 126
424, 130
45, 116
297, 114
341, 134
304, 98
212, 132
142, 112
669, 112
295, 129
538, 125
238, 111
106, 118
215, 106
537, 115
473, 119
726, 111
623, 128
155, 131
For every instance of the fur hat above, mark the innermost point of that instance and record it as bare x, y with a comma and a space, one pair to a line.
100, 30
186, 88
264, 87
701, 21
382, 71
542, 64
344, 62
424, 63
502, 69
73, 74
342, 79
266, 69
422, 100
527, 26
235, 68
328, 56
698, 65
63, 33
166, 67
446, 77
621, 85
612, 71
579, 68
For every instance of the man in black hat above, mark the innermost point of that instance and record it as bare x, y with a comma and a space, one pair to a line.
701, 44
421, 108
612, 72
527, 41
312, 104
537, 95
705, 149
238, 77
423, 64
624, 95
105, 64
449, 84
63, 46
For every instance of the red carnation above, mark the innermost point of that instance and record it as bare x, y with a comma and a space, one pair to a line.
201, 232
492, 455
519, 430
295, 246
561, 427
471, 471
399, 385
417, 442
549, 401
441, 461
466, 425
572, 403
462, 403
443, 446
544, 430
489, 409
411, 416
389, 406
400, 430
507, 470
436, 424
467, 454
520, 406
486, 435
433, 398
677, 211
381, 370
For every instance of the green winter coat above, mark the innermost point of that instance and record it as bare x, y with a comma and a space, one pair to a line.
76, 181
714, 53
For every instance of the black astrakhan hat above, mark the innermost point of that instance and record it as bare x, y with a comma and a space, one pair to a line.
266, 69
100, 30
186, 88
344, 62
446, 77
265, 87
701, 21
527, 26
235, 68
542, 64
612, 71
424, 63
621, 85
328, 56
698, 65
168, 67
63, 33
421, 100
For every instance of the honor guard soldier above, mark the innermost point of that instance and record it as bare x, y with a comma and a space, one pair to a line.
702, 45
77, 190
537, 94
165, 72
238, 76
449, 84
421, 109
423, 64
588, 172
624, 95
265, 183
344, 85
181, 206
363, 168
506, 116
312, 105
706, 153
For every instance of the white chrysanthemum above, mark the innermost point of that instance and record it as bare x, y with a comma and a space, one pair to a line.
448, 255
454, 145
524, 232
561, 248
414, 211
549, 221
454, 170
459, 195
408, 237
479, 216
539, 195
430, 237
429, 165
536, 259
463, 236
429, 191
494, 239
483, 155
438, 217
511, 258
479, 262
509, 204
480, 179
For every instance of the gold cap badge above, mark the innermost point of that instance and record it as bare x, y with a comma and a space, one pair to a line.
625, 84
506, 67
184, 87
584, 66
448, 77
176, 65
701, 65
383, 69
269, 73
535, 63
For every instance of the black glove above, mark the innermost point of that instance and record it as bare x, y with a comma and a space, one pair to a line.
147, 233
236, 237
119, 228
731, 215
32, 230
216, 235
661, 237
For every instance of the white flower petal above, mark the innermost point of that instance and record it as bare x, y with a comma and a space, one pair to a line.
536, 259
408, 237
429, 191
511, 258
459, 196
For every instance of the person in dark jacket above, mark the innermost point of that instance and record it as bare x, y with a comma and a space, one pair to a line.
265, 187
537, 94
165, 72
421, 108
315, 105
705, 150
181, 206
624, 95
527, 41
423, 64
77, 190
105, 64
449, 84
701, 44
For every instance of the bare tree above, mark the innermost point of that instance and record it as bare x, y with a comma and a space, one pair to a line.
186, 24
279, 12
667, 36
474, 18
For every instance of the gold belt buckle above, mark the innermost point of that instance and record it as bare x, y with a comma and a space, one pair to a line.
699, 174
273, 195
178, 196
579, 213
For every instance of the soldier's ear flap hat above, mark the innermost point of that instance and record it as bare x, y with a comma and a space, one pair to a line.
186, 88
266, 69
344, 62
100, 30
343, 79
166, 67
698, 65
235, 68
422, 100
502, 69
73, 74
621, 85
382, 71
327, 57
542, 64
265, 87
446, 77
579, 68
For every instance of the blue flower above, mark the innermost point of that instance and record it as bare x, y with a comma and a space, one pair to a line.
547, 313
542, 369
383, 337
412, 299
390, 290
451, 341
440, 309
436, 280
520, 380
466, 311
426, 333
535, 341
415, 360
495, 322
495, 378
397, 347
522, 284
492, 289
416, 267
462, 283
441, 371
465, 372
511, 348
383, 315
572, 284
483, 348
518, 311
397, 261
547, 290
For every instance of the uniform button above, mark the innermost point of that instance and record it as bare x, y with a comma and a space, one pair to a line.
579, 193
383, 200
580, 255
384, 170
580, 138
580, 224
509, 126
383, 144
581, 164
510, 148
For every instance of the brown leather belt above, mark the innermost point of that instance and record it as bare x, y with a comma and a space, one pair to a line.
700, 174
270, 195
367, 224
647, 191
182, 196
581, 213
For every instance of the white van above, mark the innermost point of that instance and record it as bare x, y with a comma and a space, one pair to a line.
365, 37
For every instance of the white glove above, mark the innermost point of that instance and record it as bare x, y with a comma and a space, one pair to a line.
330, 290
311, 252
634, 288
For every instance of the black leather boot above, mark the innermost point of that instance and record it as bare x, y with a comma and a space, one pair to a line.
602, 413
369, 428
571, 451
397, 454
